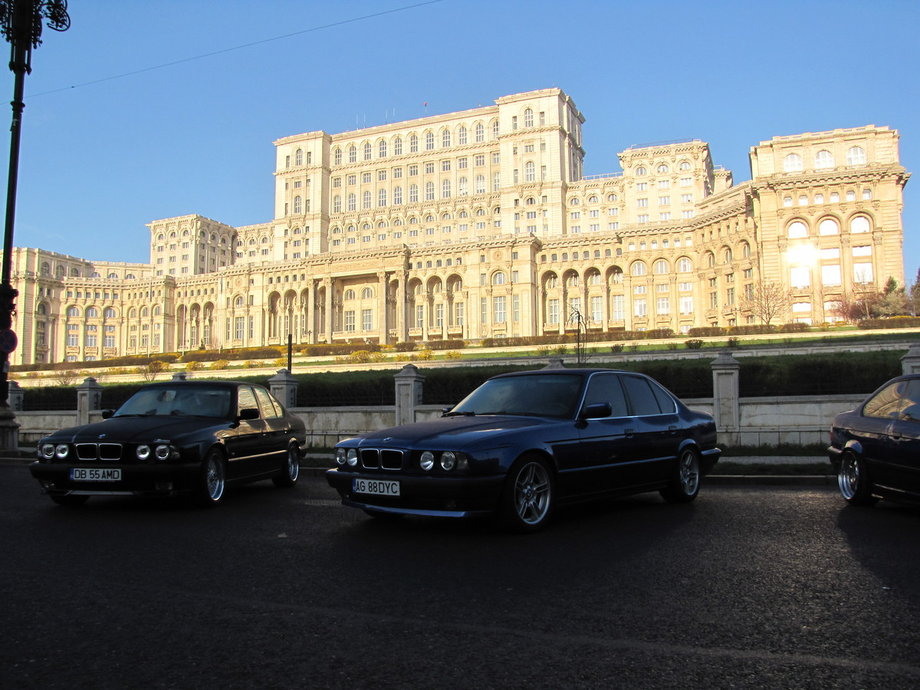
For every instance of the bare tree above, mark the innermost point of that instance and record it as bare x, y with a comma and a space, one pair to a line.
150, 370
767, 301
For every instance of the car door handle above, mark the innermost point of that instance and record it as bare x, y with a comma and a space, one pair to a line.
629, 432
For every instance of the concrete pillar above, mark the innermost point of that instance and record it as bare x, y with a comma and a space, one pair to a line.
725, 396
15, 396
179, 376
409, 382
89, 397
284, 387
910, 362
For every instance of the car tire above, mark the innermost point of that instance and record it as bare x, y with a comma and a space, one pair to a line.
528, 497
68, 500
685, 486
290, 471
853, 481
212, 480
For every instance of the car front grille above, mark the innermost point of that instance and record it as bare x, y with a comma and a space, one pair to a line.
381, 459
99, 451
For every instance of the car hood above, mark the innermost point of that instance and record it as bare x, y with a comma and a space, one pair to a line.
452, 432
134, 429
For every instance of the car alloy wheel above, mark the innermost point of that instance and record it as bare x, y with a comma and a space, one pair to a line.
686, 484
853, 481
528, 498
289, 474
213, 479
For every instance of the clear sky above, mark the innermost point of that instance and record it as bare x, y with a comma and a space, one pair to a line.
148, 110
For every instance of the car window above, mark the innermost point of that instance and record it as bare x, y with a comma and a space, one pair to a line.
911, 409
546, 395
606, 388
887, 402
265, 402
178, 401
245, 399
665, 401
641, 397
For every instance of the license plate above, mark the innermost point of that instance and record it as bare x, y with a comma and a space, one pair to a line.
93, 474
376, 487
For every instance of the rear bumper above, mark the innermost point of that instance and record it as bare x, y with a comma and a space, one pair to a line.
432, 496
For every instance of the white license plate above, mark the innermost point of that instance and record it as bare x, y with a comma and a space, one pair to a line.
94, 474
376, 487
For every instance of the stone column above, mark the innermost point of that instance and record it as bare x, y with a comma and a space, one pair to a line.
408, 393
89, 397
725, 397
910, 362
284, 387
15, 396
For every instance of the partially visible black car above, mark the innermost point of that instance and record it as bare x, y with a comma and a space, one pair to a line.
523, 443
875, 448
177, 437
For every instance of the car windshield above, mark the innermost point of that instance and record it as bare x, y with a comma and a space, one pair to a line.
199, 401
544, 395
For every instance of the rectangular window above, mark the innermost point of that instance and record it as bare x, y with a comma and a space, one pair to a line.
552, 311
686, 305
663, 306
367, 320
640, 308
830, 275
498, 309
349, 321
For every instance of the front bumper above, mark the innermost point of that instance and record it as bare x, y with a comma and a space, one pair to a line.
155, 479
432, 496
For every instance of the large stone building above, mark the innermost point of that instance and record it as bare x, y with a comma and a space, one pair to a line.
480, 224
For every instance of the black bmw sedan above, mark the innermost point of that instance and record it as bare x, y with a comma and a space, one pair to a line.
876, 447
178, 437
523, 443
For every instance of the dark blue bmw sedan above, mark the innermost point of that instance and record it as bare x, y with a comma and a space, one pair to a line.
523, 443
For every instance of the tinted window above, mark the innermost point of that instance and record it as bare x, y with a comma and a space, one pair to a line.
887, 402
911, 409
665, 401
268, 406
246, 398
641, 397
550, 395
606, 388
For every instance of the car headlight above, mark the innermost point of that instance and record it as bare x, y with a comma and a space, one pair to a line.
339, 456
162, 452
351, 457
448, 460
62, 450
426, 460
46, 451
143, 452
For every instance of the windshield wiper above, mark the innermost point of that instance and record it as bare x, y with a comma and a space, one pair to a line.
455, 413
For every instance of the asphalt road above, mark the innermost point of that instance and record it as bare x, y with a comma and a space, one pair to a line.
774, 587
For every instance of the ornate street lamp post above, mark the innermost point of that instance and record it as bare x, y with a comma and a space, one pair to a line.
21, 25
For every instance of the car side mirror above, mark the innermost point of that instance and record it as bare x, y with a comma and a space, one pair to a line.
596, 411
107, 413
249, 413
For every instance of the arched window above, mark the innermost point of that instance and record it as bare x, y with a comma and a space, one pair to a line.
382, 149
92, 312
828, 226
348, 295
824, 159
108, 313
663, 169
479, 132
684, 265
397, 146
337, 156
528, 118
445, 138
660, 267
429, 141
792, 163
73, 312
298, 157
856, 155
640, 171
797, 230
368, 150
413, 143
298, 205
529, 171
352, 154
498, 278
638, 268
367, 293
461, 135
860, 224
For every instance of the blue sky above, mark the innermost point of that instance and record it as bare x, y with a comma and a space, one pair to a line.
110, 144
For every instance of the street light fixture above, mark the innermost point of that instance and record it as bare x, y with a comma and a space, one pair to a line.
21, 25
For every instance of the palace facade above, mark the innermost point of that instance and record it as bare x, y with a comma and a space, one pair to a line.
479, 224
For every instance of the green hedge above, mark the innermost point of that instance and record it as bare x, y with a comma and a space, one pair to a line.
844, 372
